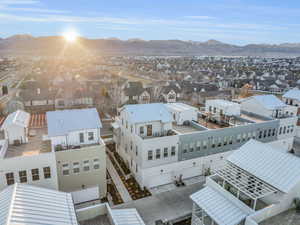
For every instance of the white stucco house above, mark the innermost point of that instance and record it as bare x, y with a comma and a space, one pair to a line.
257, 182
15, 127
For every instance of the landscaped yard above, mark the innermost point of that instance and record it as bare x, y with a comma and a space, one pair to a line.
134, 189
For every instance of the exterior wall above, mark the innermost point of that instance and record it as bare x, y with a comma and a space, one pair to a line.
16, 133
282, 204
16, 164
168, 173
209, 137
233, 109
144, 98
83, 179
181, 116
290, 101
73, 138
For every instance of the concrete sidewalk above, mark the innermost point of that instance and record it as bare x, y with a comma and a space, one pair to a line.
167, 205
117, 181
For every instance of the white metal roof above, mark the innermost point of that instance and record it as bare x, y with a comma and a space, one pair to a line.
64, 121
148, 112
245, 182
19, 118
293, 94
277, 168
269, 101
30, 205
126, 217
218, 207
223, 102
180, 107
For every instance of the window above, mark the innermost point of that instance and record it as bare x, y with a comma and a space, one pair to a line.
91, 136
131, 145
76, 168
173, 151
65, 169
150, 155
126, 124
122, 121
198, 148
269, 132
23, 176
141, 130
47, 172
215, 109
157, 156
136, 150
210, 109
284, 129
35, 174
280, 130
86, 165
136, 168
131, 128
292, 128
10, 178
238, 138
96, 164
265, 133
185, 150
149, 130
81, 137
166, 152
260, 134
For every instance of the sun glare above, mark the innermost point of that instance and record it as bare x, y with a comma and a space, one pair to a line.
70, 36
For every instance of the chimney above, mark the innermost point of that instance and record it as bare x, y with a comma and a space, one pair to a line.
38, 91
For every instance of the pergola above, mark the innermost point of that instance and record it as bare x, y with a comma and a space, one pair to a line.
245, 182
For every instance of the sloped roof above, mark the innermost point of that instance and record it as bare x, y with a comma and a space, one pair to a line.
293, 94
218, 207
30, 205
277, 168
269, 101
19, 118
148, 112
126, 217
64, 121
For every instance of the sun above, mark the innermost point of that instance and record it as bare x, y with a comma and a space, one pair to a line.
70, 36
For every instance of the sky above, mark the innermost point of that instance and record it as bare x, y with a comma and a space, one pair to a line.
231, 21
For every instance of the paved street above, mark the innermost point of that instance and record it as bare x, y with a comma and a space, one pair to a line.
167, 205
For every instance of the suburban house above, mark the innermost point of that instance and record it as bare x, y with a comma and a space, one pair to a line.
69, 155
167, 143
170, 93
292, 97
15, 127
135, 93
268, 105
258, 181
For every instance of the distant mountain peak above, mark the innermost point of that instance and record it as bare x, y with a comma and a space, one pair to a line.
20, 37
213, 42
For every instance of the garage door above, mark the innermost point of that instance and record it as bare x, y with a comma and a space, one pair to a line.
85, 195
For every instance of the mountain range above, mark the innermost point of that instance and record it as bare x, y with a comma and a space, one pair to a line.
52, 45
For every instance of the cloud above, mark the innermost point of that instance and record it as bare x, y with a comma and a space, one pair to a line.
200, 17
18, 2
35, 10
